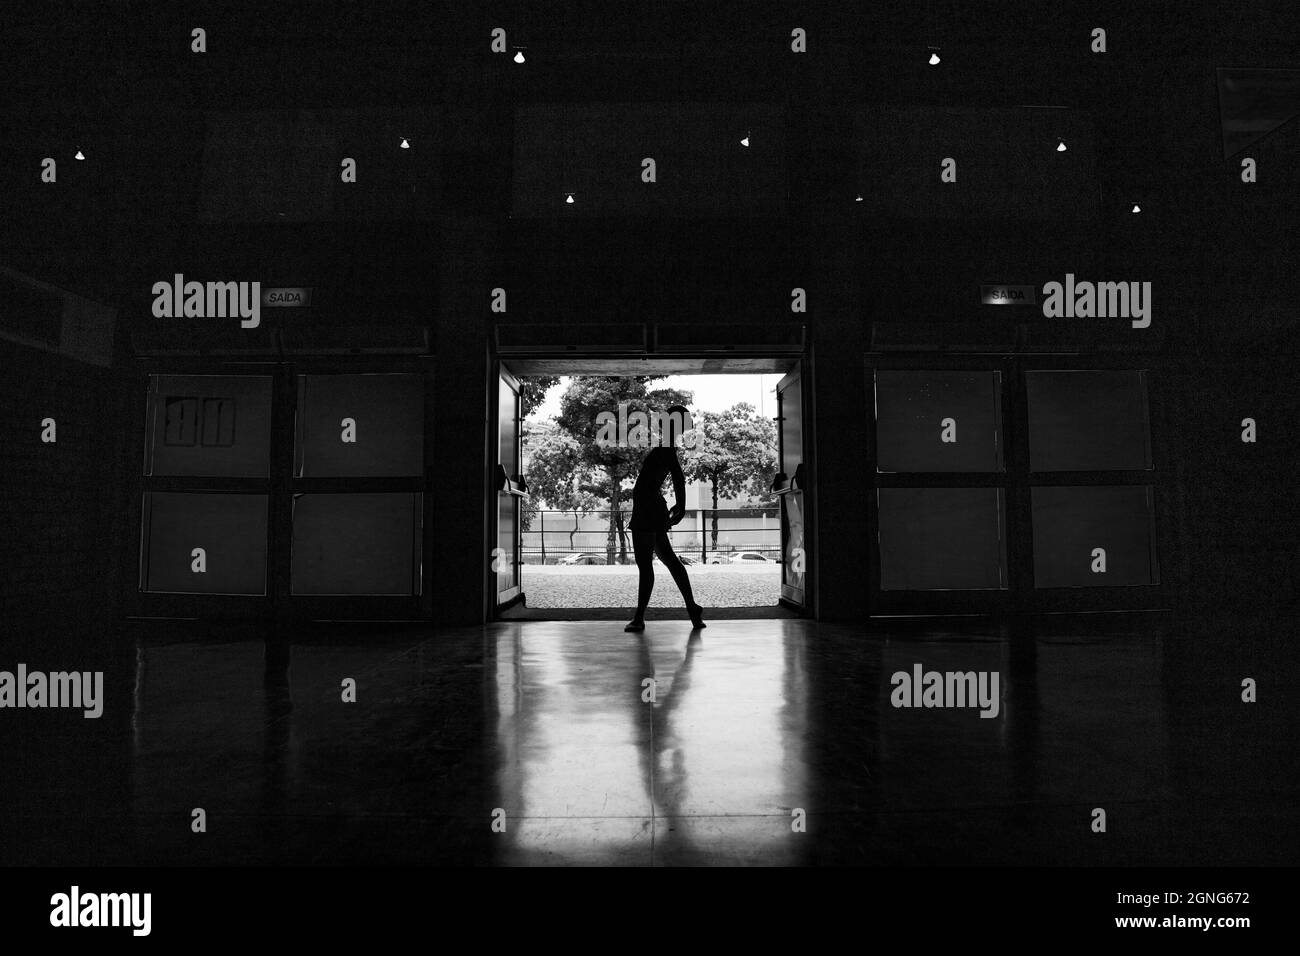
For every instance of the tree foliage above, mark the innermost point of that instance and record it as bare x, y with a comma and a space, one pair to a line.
608, 471
532, 392
557, 476
736, 455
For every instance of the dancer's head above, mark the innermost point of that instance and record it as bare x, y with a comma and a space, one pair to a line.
678, 421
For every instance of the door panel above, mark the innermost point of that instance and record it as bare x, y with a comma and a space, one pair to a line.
509, 487
938, 539
210, 426
359, 426
792, 487
354, 544
1093, 537
204, 543
938, 421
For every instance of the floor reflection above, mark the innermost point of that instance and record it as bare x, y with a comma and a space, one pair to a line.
591, 770
751, 722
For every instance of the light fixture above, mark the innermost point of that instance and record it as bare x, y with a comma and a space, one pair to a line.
859, 199
79, 156
519, 56
568, 198
1136, 208
745, 141
405, 144
934, 59
1060, 145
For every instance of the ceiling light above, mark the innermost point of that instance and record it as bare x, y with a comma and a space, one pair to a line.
568, 198
934, 59
519, 56
1136, 208
745, 141
79, 156
405, 144
1060, 145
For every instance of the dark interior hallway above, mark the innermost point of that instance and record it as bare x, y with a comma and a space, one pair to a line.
282, 287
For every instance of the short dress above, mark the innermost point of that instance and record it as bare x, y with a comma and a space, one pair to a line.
649, 509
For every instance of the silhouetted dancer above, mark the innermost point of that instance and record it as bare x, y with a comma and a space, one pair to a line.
651, 520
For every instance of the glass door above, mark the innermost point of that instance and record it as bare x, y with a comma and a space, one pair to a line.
792, 486
1012, 482
510, 491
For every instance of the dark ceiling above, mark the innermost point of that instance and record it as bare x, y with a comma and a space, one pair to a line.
205, 162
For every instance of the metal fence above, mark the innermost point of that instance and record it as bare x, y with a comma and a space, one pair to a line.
561, 537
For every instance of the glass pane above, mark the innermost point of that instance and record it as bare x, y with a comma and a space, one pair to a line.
507, 575
1088, 421
1092, 537
938, 421
204, 543
791, 428
507, 429
211, 426
356, 543
352, 426
795, 564
941, 539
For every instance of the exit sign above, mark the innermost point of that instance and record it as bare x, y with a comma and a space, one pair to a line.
1008, 295
285, 298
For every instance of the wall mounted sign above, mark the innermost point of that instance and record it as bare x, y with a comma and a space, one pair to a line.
286, 298
1008, 295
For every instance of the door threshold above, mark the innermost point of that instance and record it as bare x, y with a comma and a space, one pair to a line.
766, 612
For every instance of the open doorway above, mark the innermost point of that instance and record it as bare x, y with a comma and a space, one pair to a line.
572, 436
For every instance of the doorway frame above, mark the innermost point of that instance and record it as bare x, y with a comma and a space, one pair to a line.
499, 364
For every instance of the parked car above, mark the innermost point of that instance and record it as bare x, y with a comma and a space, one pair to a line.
583, 557
748, 557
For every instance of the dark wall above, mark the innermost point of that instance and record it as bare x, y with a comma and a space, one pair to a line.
63, 500
1241, 521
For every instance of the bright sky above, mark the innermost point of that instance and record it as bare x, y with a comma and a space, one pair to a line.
713, 393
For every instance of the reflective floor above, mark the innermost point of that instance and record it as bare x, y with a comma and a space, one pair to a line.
751, 742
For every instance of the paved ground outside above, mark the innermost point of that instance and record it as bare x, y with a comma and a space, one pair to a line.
715, 585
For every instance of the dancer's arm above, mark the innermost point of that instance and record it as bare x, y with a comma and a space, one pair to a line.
679, 490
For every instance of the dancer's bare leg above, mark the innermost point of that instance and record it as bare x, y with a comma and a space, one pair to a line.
664, 548
643, 547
